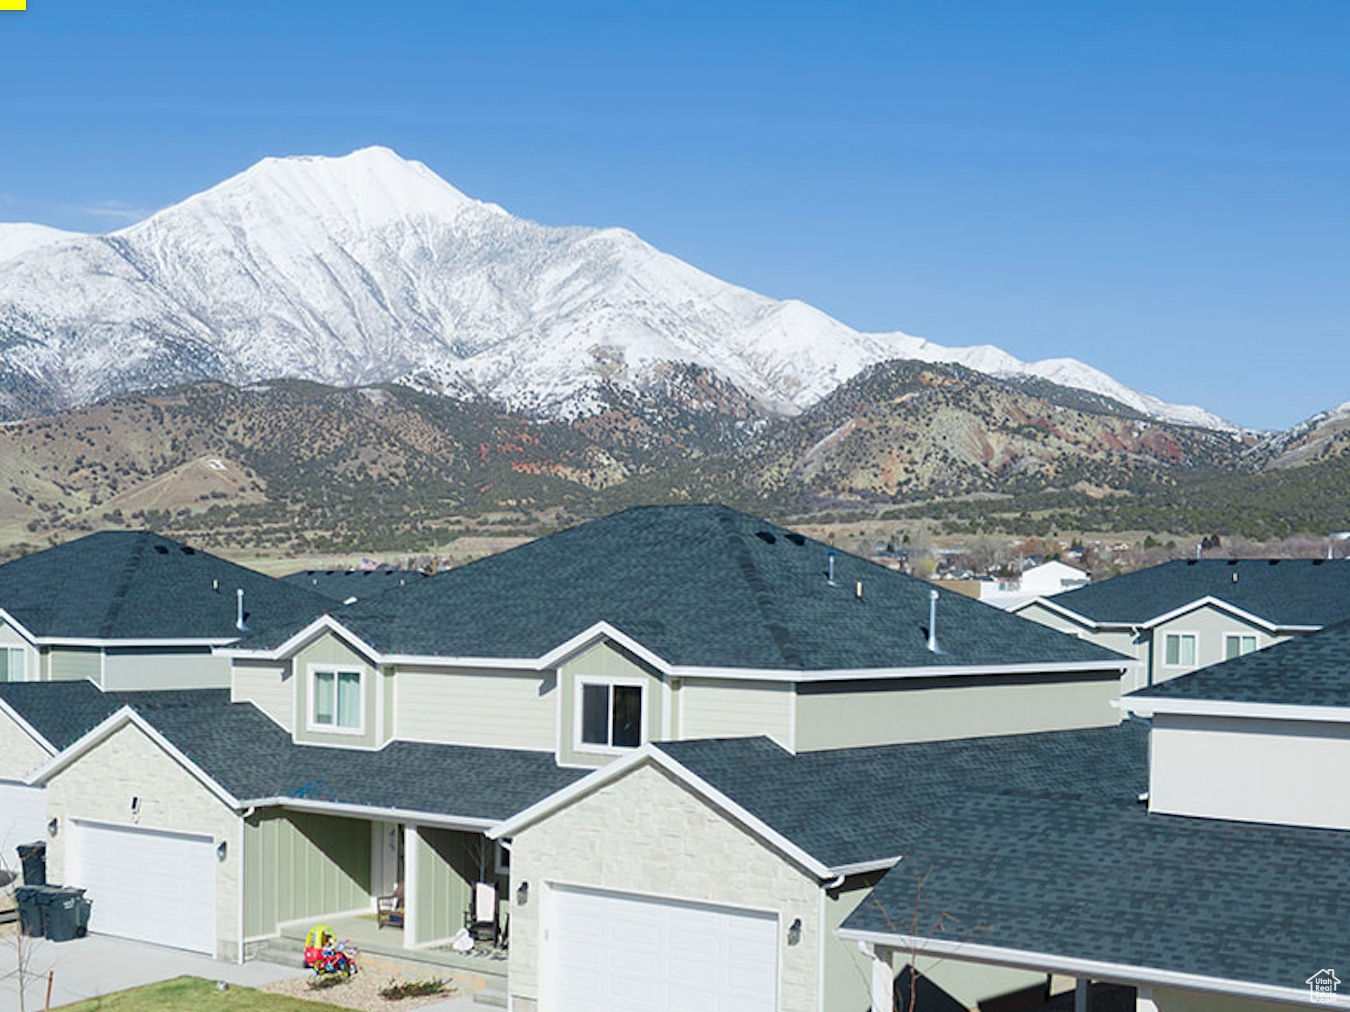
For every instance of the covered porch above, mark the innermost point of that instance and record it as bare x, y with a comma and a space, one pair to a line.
306, 867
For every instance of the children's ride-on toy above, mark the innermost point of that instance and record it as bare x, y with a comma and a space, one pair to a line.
326, 956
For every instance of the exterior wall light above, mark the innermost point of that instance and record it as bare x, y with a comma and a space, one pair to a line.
53, 826
522, 894
795, 932
222, 850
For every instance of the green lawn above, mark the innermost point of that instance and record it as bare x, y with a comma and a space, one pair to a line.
188, 994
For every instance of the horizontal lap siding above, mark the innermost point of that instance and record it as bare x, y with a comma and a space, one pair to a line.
75, 664
716, 708
297, 864
490, 708
269, 687
164, 669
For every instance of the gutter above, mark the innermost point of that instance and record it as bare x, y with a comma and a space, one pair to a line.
1091, 969
374, 812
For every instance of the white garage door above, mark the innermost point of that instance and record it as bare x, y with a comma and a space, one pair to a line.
145, 884
23, 819
618, 953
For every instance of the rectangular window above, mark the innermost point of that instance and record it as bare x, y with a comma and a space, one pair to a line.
611, 715
1179, 650
11, 664
1236, 646
337, 699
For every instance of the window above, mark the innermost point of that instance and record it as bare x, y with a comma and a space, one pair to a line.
335, 699
1236, 646
11, 664
611, 715
1179, 650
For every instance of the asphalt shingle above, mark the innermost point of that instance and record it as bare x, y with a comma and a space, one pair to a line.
62, 712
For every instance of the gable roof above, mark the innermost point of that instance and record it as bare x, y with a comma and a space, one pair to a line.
253, 761
1283, 592
63, 712
699, 586
1311, 671
343, 584
136, 585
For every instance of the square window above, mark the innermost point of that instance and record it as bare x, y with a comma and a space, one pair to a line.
611, 715
1236, 646
1179, 650
337, 699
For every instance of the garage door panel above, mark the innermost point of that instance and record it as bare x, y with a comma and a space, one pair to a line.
612, 952
150, 885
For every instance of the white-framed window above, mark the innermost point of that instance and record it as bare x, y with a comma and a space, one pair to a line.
1237, 644
335, 699
1179, 649
12, 664
609, 714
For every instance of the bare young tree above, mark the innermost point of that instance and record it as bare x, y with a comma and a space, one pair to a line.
27, 968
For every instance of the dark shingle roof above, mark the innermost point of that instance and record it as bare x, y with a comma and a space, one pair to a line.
1282, 591
253, 758
342, 584
1108, 881
1308, 671
702, 586
139, 585
846, 806
62, 712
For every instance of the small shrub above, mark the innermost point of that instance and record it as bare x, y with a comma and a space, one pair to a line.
412, 988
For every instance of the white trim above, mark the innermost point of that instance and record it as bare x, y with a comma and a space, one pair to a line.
1084, 968
411, 860
27, 728
792, 719
603, 630
373, 812
1147, 706
650, 753
1221, 605
126, 715
312, 724
239, 888
579, 683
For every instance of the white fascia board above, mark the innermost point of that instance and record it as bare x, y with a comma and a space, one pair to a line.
649, 753
1147, 706
1059, 608
863, 867
1213, 602
373, 812
78, 641
18, 627
126, 715
324, 623
886, 674
1068, 966
27, 728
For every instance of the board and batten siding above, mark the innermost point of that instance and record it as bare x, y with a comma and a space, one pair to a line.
301, 864
146, 668
602, 661
1249, 770
726, 708
268, 686
75, 664
448, 865
883, 712
496, 709
329, 651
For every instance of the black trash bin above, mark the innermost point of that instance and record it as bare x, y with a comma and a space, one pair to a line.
26, 898
33, 859
67, 914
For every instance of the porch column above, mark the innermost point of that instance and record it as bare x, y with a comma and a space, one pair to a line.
1080, 994
1144, 1002
883, 980
411, 846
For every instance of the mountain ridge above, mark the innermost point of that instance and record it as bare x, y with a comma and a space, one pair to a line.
369, 268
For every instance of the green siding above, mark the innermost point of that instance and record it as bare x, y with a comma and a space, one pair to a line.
147, 668
75, 664
848, 973
605, 660
297, 864
329, 650
447, 867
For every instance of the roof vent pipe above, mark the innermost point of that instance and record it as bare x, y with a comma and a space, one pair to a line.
239, 618
830, 576
932, 621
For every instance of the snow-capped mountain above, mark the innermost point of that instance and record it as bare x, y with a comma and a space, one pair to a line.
370, 268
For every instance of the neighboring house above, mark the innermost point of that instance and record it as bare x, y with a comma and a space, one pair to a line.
1237, 884
1054, 577
431, 712
1187, 614
351, 585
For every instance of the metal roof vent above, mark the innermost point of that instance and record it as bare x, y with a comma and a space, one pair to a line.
162, 549
829, 576
766, 536
239, 617
186, 550
932, 622
796, 539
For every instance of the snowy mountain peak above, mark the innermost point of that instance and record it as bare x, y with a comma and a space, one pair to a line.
370, 267
19, 237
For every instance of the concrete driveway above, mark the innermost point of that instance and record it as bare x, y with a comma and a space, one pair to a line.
98, 965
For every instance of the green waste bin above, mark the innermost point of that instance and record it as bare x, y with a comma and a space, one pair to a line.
33, 860
30, 909
67, 914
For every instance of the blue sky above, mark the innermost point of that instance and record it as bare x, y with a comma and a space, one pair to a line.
1159, 189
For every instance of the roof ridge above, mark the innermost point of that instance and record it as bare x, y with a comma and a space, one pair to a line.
122, 587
